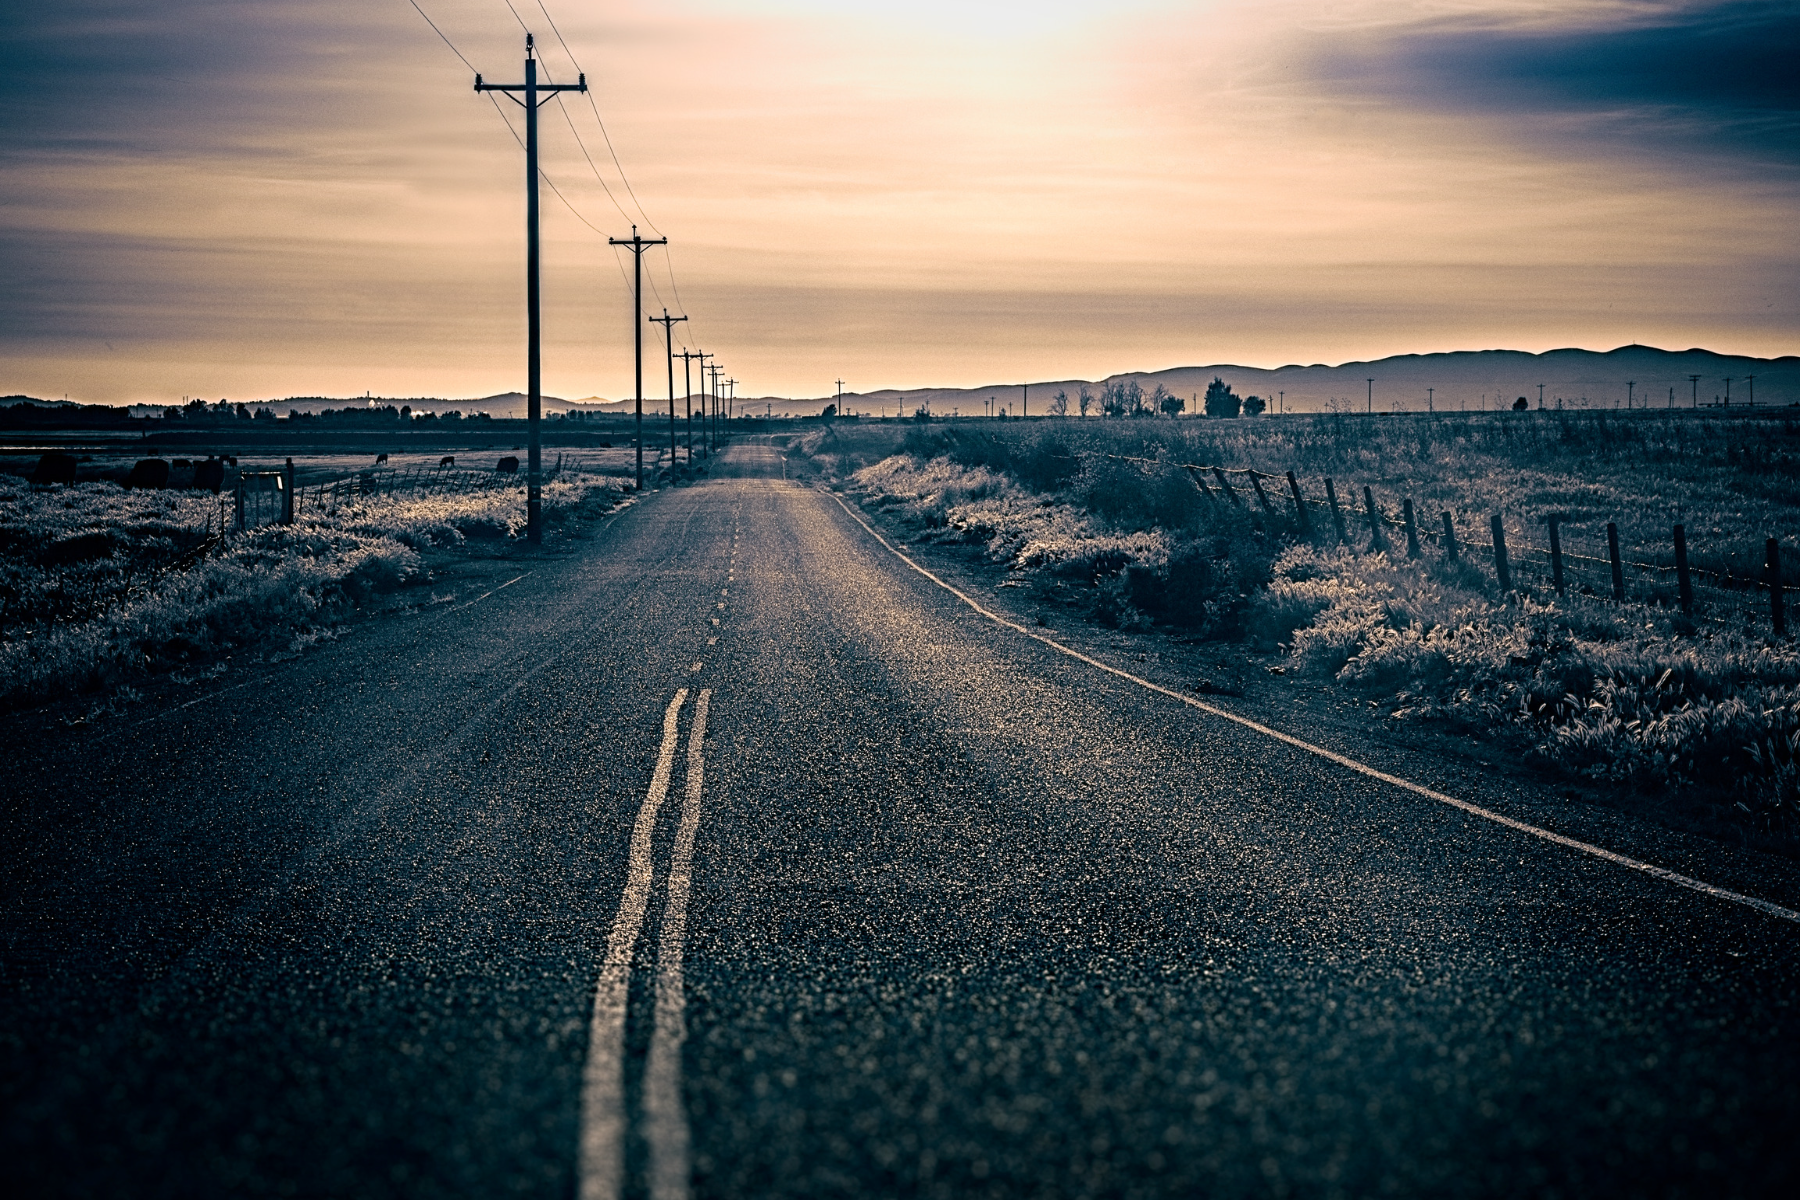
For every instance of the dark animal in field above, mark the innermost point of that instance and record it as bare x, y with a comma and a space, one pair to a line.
508, 465
449, 460
181, 464
229, 460
54, 468
149, 473
606, 445
381, 460
1521, 404
210, 474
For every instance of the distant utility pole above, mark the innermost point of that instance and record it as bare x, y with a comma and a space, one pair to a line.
1025, 400
840, 398
668, 324
1694, 382
1540, 397
1630, 390
637, 246
1430, 407
1371, 395
1281, 402
1728, 391
731, 394
713, 370
534, 381
1751, 380
712, 435
687, 358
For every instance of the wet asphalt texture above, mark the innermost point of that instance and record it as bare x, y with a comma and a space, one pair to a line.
969, 918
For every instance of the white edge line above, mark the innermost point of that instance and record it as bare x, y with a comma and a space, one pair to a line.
601, 1173
483, 596
1662, 873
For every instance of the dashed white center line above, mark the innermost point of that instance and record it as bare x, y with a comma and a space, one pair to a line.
603, 1078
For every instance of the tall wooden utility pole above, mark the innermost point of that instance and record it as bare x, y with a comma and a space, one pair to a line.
1371, 395
668, 324
637, 246
687, 358
534, 497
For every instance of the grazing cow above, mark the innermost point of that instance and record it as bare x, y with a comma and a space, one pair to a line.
508, 465
229, 460
149, 473
54, 468
210, 474
381, 460
449, 460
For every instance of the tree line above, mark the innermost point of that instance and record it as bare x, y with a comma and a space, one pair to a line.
1127, 398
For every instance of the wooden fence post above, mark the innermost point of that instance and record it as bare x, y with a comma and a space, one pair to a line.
1337, 514
1556, 571
1777, 613
1618, 564
1226, 487
1449, 539
1299, 506
1681, 572
1375, 539
1260, 495
1501, 567
239, 492
287, 493
1200, 482
1412, 530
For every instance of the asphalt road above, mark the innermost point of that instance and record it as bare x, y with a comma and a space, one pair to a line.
724, 854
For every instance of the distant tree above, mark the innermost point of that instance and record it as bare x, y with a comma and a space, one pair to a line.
921, 413
1221, 401
1132, 393
1167, 401
1086, 400
1059, 404
1255, 406
1521, 404
1112, 400
830, 409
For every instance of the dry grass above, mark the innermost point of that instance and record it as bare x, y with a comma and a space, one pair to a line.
1631, 694
100, 586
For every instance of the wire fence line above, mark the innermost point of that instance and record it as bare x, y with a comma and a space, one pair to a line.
1551, 555
275, 497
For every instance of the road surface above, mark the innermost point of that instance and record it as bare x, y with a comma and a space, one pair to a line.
725, 854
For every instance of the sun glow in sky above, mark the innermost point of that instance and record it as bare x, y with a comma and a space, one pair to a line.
252, 200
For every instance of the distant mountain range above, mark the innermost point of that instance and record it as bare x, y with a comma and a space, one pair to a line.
1460, 380
1464, 379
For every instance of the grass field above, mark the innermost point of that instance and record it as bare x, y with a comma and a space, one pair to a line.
1706, 711
101, 587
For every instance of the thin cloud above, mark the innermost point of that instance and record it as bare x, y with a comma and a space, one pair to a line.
1715, 78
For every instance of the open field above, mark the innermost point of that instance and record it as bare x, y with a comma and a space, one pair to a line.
101, 586
1702, 710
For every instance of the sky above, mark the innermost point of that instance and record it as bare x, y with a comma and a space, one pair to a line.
231, 198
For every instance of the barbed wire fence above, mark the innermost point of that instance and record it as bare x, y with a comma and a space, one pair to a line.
1555, 555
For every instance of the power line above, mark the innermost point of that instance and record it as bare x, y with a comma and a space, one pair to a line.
440, 33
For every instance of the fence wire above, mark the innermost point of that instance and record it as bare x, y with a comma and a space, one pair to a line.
1649, 575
